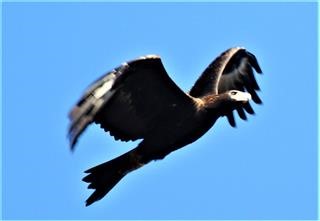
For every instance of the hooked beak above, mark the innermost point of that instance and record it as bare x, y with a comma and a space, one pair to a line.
247, 97
243, 97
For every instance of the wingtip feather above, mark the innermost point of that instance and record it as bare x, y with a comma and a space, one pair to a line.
231, 120
254, 62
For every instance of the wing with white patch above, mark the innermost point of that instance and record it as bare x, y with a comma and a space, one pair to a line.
83, 113
127, 101
232, 70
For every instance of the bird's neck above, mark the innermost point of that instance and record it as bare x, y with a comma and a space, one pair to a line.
217, 104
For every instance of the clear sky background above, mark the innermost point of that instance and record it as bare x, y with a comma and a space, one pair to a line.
264, 169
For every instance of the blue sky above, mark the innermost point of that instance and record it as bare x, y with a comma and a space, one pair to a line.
264, 169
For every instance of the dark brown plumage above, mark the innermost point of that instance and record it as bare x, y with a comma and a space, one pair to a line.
138, 100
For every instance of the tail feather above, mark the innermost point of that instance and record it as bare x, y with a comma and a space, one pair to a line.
104, 177
101, 184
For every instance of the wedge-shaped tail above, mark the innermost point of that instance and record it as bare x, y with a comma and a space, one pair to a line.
104, 177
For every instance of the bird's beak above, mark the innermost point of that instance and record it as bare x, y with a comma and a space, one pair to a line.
247, 97
243, 97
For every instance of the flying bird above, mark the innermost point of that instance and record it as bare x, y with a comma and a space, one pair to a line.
138, 100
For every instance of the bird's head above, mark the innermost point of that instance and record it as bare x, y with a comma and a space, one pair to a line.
238, 96
232, 100
227, 101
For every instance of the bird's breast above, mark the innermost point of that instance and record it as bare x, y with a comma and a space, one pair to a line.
182, 127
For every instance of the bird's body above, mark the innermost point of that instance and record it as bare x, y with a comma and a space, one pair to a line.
138, 100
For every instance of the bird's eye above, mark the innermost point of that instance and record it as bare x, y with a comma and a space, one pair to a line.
233, 92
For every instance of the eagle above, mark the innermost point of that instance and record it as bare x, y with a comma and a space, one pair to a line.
139, 101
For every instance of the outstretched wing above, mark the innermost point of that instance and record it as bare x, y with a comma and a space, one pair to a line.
232, 70
127, 101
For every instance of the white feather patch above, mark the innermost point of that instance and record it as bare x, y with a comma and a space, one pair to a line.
105, 87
